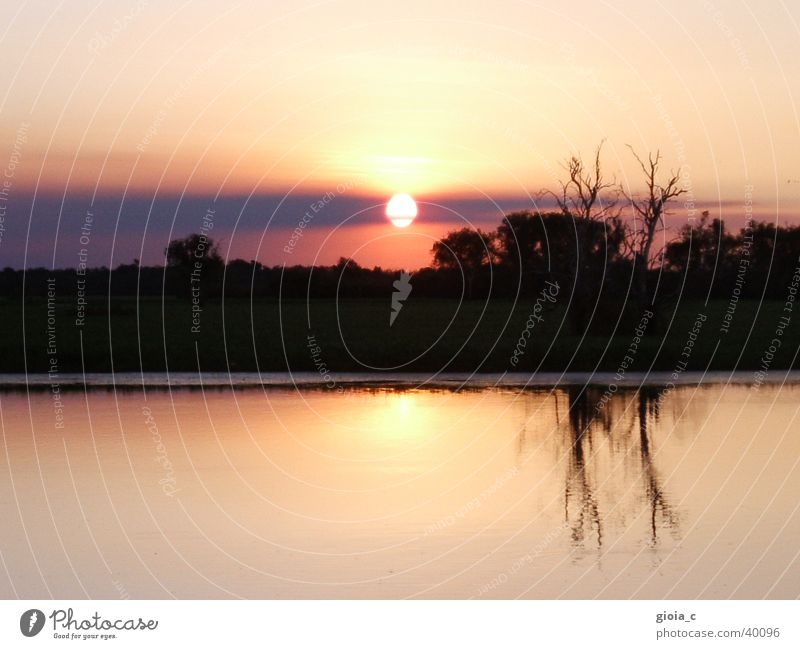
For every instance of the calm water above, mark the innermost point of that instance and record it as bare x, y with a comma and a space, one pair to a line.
369, 492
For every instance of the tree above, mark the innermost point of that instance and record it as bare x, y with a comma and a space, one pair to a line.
549, 242
519, 241
648, 212
701, 250
586, 194
193, 265
466, 250
196, 247
589, 202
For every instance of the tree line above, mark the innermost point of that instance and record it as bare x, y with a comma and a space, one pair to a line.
600, 245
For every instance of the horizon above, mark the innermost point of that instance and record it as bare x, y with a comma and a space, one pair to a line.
257, 227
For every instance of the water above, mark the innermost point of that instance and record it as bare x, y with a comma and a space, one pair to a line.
359, 491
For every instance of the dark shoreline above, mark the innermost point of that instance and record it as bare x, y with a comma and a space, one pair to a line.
379, 381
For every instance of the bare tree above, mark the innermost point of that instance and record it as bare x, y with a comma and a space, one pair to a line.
648, 212
587, 198
586, 193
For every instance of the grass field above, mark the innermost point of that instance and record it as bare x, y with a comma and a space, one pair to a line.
428, 335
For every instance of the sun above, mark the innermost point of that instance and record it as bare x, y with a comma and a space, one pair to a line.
401, 210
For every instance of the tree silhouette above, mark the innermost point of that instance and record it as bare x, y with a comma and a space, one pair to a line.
196, 247
193, 264
649, 210
465, 250
590, 201
586, 194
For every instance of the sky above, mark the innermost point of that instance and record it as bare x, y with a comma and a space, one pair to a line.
146, 113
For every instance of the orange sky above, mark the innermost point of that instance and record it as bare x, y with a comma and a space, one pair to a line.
432, 98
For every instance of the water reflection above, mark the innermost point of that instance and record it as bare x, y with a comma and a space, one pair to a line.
578, 488
624, 423
379, 492
649, 401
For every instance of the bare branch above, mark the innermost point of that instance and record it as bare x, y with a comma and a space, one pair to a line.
650, 209
585, 193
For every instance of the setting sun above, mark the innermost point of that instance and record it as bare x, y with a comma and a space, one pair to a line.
401, 210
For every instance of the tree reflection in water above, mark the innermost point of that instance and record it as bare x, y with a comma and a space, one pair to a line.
607, 446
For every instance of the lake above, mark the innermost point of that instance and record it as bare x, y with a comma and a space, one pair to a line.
400, 489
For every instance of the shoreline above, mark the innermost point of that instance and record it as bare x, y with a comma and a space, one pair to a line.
311, 380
